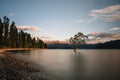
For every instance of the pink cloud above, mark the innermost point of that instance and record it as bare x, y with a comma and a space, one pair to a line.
46, 36
99, 37
31, 28
56, 41
107, 10
115, 29
50, 39
110, 13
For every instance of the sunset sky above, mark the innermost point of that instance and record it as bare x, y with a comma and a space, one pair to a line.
58, 20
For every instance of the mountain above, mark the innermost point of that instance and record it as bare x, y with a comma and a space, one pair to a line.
60, 46
108, 45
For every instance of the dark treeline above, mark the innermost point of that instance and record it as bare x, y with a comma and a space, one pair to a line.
11, 37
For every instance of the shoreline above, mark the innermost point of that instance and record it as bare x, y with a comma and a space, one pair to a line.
21, 48
14, 68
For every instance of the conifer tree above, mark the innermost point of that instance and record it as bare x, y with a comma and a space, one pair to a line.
5, 30
11, 37
1, 32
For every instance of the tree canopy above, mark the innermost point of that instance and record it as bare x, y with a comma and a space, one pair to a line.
11, 37
78, 39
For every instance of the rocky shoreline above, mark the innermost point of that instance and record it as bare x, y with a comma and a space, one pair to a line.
12, 68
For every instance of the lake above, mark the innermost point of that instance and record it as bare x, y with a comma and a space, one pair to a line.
86, 64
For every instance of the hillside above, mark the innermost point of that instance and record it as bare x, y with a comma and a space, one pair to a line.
108, 45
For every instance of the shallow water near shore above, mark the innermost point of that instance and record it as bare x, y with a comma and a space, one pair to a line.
64, 64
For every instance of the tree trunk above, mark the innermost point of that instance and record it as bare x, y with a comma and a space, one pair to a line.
75, 50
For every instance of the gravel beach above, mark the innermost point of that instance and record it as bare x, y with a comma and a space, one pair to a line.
13, 68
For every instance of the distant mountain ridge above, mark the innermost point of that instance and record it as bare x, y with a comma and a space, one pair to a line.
107, 45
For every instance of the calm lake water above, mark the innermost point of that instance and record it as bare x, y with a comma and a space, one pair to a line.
64, 64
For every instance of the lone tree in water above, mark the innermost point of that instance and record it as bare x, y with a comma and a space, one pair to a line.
78, 39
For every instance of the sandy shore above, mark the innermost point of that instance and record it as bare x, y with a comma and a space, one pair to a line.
12, 68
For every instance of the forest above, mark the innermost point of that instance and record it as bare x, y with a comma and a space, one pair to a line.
11, 37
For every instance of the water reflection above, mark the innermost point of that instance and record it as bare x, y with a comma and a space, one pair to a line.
19, 51
85, 65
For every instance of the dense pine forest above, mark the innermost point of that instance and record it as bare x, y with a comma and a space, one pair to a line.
11, 37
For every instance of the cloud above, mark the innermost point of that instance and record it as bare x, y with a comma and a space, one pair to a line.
50, 39
56, 42
115, 29
99, 34
31, 28
11, 14
86, 21
110, 13
45, 37
105, 35
99, 37
107, 10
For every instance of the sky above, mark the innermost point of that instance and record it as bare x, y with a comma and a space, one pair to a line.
58, 20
